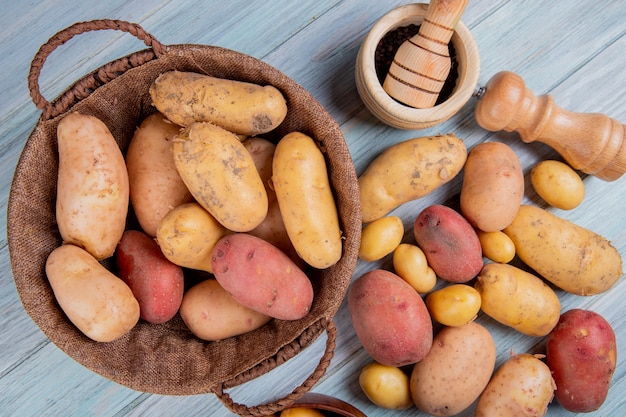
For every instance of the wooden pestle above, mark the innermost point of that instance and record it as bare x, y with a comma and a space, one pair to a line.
590, 142
422, 63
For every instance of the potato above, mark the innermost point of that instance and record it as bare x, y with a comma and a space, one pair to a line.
407, 171
410, 263
301, 412
97, 302
221, 175
187, 235
155, 185
557, 184
212, 314
380, 238
571, 257
496, 246
261, 277
92, 186
518, 299
455, 371
449, 242
389, 318
306, 201
454, 305
521, 387
156, 283
386, 386
581, 352
240, 107
493, 186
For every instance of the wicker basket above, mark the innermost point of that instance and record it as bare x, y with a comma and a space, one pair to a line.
168, 359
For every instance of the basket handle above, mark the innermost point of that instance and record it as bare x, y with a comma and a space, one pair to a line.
297, 393
84, 87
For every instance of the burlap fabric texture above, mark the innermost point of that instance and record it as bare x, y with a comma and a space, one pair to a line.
168, 359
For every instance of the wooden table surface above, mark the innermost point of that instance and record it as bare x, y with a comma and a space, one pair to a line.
573, 50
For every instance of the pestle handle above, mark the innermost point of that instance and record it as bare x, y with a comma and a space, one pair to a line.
422, 63
590, 142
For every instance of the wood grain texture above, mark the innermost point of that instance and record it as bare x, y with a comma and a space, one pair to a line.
573, 50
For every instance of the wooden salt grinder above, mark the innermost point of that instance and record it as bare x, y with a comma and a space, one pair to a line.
422, 63
590, 142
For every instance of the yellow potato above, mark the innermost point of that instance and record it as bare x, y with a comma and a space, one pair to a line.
496, 246
571, 257
521, 387
92, 188
240, 107
558, 184
386, 386
455, 371
454, 305
518, 299
155, 185
187, 235
211, 313
411, 265
407, 171
306, 201
301, 412
98, 303
380, 238
221, 175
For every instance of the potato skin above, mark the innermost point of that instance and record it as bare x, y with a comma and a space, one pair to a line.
407, 171
306, 201
454, 305
261, 277
518, 299
237, 106
212, 314
410, 263
521, 387
97, 302
557, 184
496, 246
493, 186
380, 238
155, 185
456, 370
156, 283
389, 318
221, 175
449, 242
92, 188
581, 351
386, 386
571, 257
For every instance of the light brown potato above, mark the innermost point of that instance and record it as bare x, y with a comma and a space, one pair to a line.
211, 313
456, 370
407, 171
155, 185
386, 386
571, 257
92, 188
97, 302
306, 201
411, 265
557, 184
493, 186
221, 175
521, 387
380, 238
240, 107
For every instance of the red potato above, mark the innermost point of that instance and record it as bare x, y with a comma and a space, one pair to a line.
261, 277
451, 245
156, 283
390, 318
582, 354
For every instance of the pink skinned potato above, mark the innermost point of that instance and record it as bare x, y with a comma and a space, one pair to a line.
261, 277
449, 242
156, 283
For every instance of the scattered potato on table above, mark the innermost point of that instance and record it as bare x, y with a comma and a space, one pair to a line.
381, 237
410, 263
386, 386
496, 246
557, 184
454, 305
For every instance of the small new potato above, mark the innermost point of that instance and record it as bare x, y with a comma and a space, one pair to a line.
521, 387
411, 265
301, 412
496, 246
454, 305
380, 238
558, 184
386, 386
